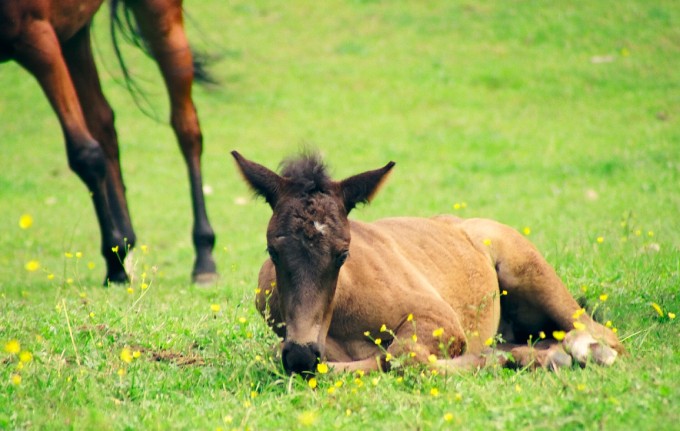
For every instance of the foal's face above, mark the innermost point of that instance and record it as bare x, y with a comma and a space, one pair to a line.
308, 243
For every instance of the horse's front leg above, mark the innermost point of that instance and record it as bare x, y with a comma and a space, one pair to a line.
40, 53
160, 22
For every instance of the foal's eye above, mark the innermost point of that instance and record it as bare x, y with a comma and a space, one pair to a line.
342, 257
273, 255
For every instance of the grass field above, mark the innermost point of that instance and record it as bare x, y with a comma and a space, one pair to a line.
559, 117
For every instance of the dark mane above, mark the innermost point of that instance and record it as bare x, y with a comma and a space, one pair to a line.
307, 173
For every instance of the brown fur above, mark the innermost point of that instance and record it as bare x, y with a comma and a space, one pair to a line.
51, 39
450, 274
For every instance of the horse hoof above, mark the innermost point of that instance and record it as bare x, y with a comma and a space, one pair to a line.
559, 359
205, 279
583, 347
602, 354
119, 277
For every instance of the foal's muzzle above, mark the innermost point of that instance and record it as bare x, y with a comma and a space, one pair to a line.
300, 358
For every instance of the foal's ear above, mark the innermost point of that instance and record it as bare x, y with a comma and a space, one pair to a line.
362, 187
263, 181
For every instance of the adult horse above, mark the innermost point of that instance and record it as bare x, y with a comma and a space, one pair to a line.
441, 286
51, 39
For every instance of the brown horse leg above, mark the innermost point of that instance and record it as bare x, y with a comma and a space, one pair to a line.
536, 299
160, 22
99, 116
40, 53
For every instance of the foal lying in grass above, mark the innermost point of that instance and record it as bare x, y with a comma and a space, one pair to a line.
441, 286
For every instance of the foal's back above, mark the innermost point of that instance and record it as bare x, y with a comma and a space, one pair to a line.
405, 265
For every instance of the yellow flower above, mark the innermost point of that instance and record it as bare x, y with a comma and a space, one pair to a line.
15, 379
448, 417
79, 255
144, 248
214, 308
657, 308
432, 359
25, 357
438, 332
456, 206
604, 297
25, 221
383, 328
130, 290
410, 317
487, 242
489, 341
121, 372
584, 288
257, 291
91, 314
68, 255
377, 341
50, 276
608, 324
504, 292
541, 335
518, 388
578, 313
388, 357
558, 335
136, 354
367, 333
228, 419
13, 347
414, 337
307, 418
32, 265
579, 326
526, 231
114, 249
145, 286
331, 390
322, 368
242, 319
614, 330
90, 265
650, 233
581, 387
126, 355
434, 392
600, 239
671, 315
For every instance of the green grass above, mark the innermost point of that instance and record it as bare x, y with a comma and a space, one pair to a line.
561, 117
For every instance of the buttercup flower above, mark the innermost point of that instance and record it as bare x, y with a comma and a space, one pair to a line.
25, 221
322, 368
558, 335
126, 355
32, 265
13, 347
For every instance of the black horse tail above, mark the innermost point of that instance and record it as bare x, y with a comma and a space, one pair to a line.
122, 22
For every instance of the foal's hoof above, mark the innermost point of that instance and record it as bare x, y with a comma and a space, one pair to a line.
558, 359
205, 279
583, 347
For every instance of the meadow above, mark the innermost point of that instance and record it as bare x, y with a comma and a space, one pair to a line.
561, 119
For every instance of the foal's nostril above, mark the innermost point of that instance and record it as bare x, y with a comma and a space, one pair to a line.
298, 358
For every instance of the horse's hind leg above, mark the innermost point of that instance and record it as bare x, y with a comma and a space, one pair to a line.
99, 117
40, 53
536, 299
160, 22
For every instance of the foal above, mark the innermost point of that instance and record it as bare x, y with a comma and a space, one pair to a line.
331, 286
